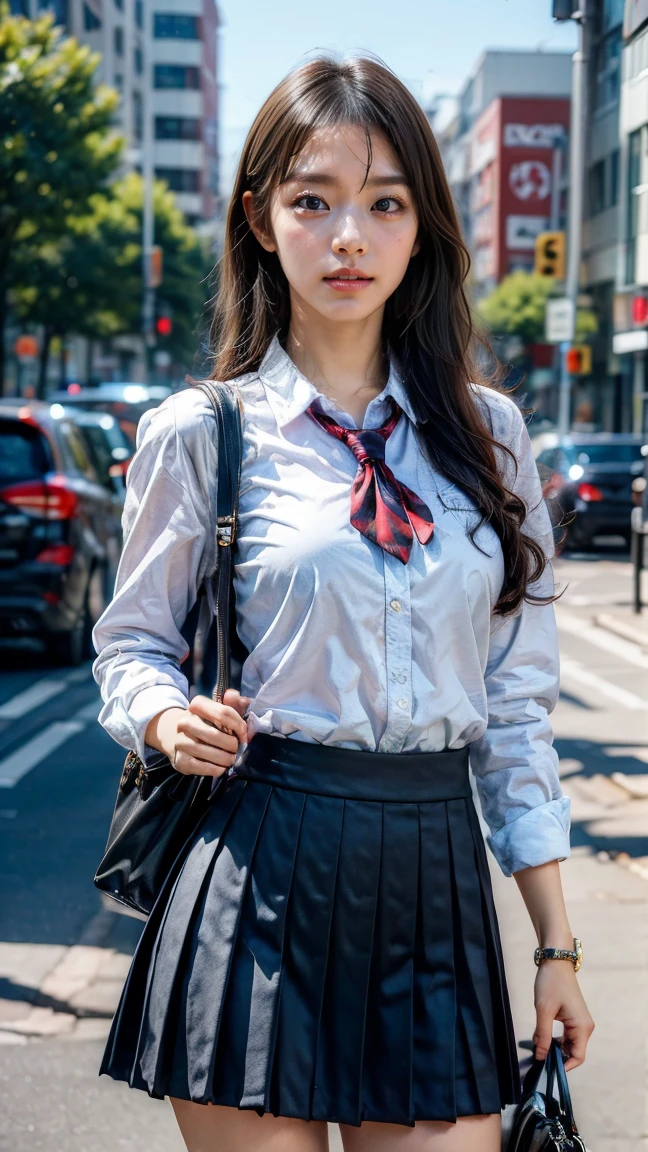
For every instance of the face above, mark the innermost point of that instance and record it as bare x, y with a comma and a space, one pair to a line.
344, 239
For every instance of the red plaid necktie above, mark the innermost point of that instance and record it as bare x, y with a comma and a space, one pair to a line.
383, 509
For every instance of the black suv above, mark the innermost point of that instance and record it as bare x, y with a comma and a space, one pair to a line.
60, 530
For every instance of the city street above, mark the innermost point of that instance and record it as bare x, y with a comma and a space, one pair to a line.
63, 957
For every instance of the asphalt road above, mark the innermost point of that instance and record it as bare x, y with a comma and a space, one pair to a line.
58, 777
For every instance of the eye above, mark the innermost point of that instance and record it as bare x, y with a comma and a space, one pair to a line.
389, 205
310, 202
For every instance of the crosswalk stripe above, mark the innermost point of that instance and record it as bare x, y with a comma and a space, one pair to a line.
36, 694
20, 762
577, 626
573, 671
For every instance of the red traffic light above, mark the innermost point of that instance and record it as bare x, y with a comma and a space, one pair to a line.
163, 326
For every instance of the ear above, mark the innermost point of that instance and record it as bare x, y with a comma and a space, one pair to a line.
261, 235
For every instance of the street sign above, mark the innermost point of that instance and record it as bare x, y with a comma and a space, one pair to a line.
550, 255
155, 266
559, 320
579, 360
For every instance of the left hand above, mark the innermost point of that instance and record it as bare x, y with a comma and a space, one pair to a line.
558, 997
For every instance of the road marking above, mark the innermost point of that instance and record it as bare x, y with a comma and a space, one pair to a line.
607, 641
573, 670
20, 762
89, 711
36, 694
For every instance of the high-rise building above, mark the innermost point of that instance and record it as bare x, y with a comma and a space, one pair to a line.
160, 54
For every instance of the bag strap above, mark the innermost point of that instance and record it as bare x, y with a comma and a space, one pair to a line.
554, 1068
227, 408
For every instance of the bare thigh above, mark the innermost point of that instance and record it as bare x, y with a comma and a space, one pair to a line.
210, 1128
469, 1134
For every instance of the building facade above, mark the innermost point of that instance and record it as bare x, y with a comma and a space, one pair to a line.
162, 56
630, 313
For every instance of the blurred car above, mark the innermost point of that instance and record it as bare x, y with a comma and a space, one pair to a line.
126, 402
109, 448
60, 530
587, 483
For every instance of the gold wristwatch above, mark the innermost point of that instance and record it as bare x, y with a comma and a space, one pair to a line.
576, 957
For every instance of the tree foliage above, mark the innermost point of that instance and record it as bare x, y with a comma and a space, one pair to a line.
57, 144
517, 308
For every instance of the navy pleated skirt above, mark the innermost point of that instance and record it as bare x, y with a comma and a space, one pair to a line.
327, 949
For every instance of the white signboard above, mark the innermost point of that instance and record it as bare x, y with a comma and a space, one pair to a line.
521, 231
532, 135
559, 320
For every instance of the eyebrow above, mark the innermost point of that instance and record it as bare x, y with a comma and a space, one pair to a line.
329, 181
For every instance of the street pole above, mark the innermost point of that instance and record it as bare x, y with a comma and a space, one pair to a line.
148, 217
577, 156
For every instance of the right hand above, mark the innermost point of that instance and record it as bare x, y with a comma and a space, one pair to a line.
203, 739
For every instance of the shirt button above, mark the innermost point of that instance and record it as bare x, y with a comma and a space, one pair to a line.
403, 703
395, 604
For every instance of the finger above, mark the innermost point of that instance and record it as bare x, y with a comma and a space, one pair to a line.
202, 733
575, 1044
221, 715
236, 701
191, 766
543, 1032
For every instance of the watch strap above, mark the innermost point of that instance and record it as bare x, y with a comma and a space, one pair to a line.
576, 956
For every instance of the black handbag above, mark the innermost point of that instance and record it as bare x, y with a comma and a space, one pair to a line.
544, 1121
158, 808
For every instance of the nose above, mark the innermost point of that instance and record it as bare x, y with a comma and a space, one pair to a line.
348, 239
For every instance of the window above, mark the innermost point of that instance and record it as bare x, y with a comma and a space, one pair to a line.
612, 14
607, 68
90, 22
632, 225
177, 128
597, 188
176, 76
139, 13
118, 81
138, 116
119, 4
19, 7
118, 40
180, 179
23, 452
614, 177
59, 8
76, 451
138, 61
176, 26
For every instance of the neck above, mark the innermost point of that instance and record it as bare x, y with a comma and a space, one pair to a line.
345, 361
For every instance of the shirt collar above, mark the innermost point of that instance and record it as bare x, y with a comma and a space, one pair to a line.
289, 393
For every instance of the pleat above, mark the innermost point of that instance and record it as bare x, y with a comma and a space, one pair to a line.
130, 1020
167, 1056
337, 1089
473, 978
243, 1062
304, 964
507, 1060
387, 1072
435, 997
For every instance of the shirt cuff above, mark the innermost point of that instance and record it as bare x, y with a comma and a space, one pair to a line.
147, 704
537, 837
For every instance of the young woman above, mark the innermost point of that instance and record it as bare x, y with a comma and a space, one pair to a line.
329, 950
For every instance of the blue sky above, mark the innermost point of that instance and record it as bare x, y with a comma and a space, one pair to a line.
431, 44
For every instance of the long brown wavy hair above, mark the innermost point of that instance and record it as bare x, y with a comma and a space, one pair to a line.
427, 324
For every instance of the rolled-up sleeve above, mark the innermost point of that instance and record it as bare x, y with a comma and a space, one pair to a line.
168, 548
515, 763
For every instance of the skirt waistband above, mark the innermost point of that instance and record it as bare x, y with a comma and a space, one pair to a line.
408, 777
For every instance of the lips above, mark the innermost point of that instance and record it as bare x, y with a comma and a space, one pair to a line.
348, 274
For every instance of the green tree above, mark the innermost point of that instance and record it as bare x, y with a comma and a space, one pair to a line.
57, 147
517, 308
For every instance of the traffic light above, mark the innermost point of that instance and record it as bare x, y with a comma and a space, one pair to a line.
550, 255
164, 325
564, 9
579, 360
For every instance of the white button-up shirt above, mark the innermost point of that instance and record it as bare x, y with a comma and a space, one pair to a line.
348, 646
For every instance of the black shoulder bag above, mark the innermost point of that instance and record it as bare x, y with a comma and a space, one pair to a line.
159, 808
542, 1121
